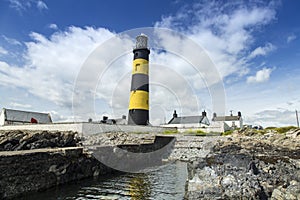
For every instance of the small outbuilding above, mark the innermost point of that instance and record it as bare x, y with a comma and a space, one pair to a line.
13, 117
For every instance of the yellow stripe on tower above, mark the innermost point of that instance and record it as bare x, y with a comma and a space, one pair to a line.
140, 66
139, 99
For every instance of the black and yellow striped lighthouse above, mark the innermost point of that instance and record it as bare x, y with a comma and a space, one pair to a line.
139, 93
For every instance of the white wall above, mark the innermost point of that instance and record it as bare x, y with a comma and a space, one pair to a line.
46, 127
195, 125
86, 128
2, 118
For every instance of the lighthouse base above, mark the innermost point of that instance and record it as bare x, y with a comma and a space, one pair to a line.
138, 117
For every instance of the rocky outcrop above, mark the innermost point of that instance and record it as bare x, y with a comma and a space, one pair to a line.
37, 160
241, 167
39, 169
34, 161
16, 140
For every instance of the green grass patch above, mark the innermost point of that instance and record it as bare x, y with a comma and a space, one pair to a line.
271, 128
200, 132
139, 133
285, 129
227, 132
195, 132
281, 129
170, 131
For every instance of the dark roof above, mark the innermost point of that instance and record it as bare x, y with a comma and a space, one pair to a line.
187, 120
226, 118
25, 116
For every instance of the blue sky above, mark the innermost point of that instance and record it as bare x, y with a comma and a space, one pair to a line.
254, 45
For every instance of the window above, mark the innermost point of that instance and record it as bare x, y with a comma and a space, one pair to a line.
136, 66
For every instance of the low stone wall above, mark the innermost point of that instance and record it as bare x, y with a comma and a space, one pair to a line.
34, 170
131, 157
87, 128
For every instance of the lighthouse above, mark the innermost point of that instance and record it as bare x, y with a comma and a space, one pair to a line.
139, 92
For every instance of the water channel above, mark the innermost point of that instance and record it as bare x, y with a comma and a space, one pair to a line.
167, 182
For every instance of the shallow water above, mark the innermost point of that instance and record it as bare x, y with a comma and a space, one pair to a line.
168, 182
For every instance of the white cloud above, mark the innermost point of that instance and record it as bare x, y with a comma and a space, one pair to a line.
262, 75
41, 5
53, 63
23, 5
262, 51
291, 38
53, 26
11, 40
273, 117
3, 51
16, 4
19, 105
223, 30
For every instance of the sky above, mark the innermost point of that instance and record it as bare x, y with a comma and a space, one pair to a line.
73, 59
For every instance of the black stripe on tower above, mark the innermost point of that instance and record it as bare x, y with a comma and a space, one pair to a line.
140, 82
138, 116
141, 53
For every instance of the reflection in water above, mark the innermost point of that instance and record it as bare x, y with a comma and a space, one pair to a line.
168, 182
139, 187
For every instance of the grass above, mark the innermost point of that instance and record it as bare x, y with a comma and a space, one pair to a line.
170, 131
281, 129
278, 130
227, 132
284, 129
195, 132
200, 133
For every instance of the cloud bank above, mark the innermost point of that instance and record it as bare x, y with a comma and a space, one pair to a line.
224, 30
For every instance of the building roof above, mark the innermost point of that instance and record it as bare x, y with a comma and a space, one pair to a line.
189, 120
25, 116
226, 118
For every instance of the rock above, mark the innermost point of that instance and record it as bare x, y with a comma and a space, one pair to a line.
25, 140
256, 167
291, 192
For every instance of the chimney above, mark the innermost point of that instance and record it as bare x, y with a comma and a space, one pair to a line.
239, 114
175, 114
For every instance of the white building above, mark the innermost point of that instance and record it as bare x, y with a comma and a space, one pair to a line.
226, 123
11, 117
188, 122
